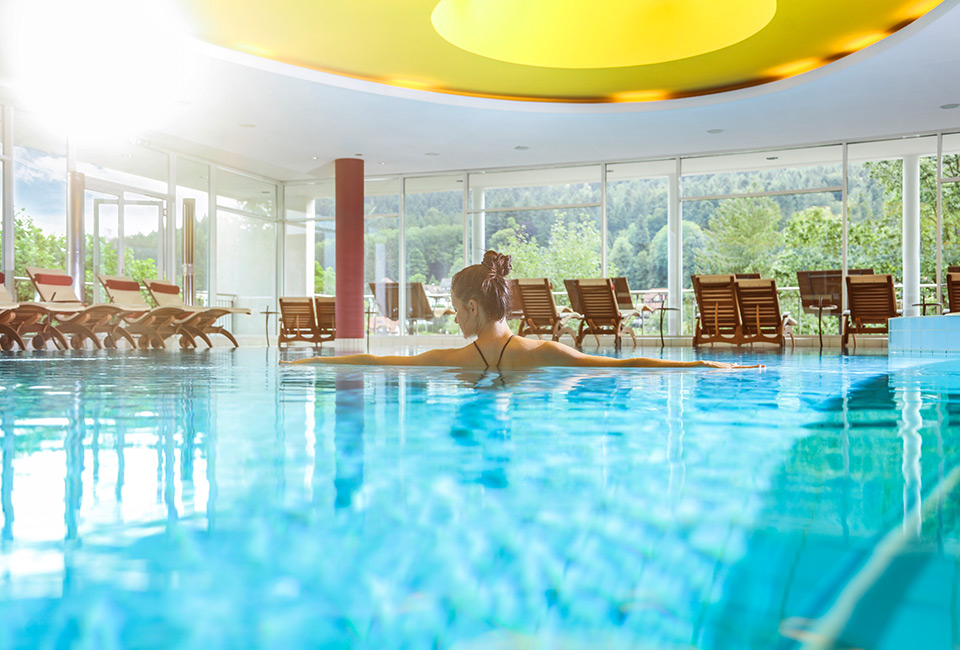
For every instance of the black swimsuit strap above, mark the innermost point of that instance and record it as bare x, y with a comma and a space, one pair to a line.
485, 364
501, 351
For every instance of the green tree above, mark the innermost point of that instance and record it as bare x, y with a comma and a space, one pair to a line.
741, 237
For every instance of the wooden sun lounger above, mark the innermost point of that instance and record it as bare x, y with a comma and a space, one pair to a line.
871, 302
200, 322
300, 320
718, 318
597, 298
540, 314
73, 318
152, 324
387, 296
953, 293
760, 315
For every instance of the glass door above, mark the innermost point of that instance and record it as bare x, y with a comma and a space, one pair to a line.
125, 235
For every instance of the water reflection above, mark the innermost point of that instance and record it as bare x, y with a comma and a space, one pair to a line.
857, 586
348, 439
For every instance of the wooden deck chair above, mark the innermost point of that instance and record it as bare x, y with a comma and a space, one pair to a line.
871, 302
540, 314
627, 307
73, 318
30, 321
953, 293
387, 295
13, 319
298, 322
326, 310
153, 325
718, 318
760, 316
601, 312
200, 323
822, 291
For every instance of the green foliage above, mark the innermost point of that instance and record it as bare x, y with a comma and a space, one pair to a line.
573, 251
324, 279
742, 237
35, 248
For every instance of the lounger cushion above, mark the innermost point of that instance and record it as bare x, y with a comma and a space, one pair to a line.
123, 285
3, 277
55, 280
163, 287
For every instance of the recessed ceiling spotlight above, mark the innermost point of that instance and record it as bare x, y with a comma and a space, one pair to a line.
315, 157
520, 147
431, 153
247, 125
382, 163
949, 106
126, 155
714, 131
773, 157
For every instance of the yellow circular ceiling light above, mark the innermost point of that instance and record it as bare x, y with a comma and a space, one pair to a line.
615, 34
555, 50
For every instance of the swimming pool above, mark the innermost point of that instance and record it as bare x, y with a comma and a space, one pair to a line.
214, 499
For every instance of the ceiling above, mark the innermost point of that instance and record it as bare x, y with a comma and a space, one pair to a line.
555, 50
289, 123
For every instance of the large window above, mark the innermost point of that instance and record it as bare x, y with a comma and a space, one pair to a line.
246, 246
433, 214
193, 183
875, 207
548, 220
774, 213
309, 239
637, 204
40, 199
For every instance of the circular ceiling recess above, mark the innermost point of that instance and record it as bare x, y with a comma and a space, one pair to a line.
555, 50
574, 34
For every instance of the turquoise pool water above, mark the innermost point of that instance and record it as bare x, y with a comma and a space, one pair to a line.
217, 500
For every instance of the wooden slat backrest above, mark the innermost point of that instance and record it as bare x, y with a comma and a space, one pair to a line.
823, 288
325, 309
516, 301
297, 315
573, 292
418, 305
624, 297
717, 302
537, 300
871, 298
953, 292
599, 300
387, 296
759, 305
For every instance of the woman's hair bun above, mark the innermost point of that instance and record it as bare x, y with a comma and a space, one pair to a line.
497, 264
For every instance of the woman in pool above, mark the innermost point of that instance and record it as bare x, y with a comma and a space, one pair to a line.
481, 298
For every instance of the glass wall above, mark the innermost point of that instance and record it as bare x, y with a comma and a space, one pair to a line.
433, 232
40, 199
547, 220
637, 204
247, 250
309, 239
193, 183
774, 213
246, 267
875, 207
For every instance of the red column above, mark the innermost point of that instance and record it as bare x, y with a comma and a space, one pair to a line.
349, 189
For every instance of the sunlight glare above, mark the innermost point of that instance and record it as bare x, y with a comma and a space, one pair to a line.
100, 69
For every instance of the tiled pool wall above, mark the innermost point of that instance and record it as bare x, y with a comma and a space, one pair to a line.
925, 334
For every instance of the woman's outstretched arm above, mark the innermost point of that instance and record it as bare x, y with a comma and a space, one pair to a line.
429, 358
557, 354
